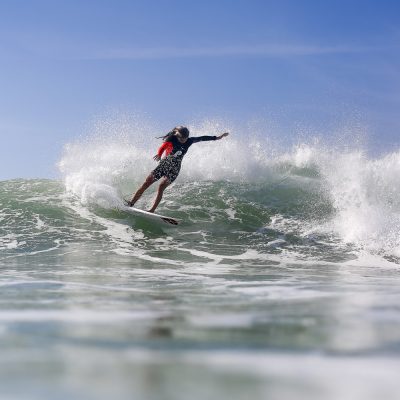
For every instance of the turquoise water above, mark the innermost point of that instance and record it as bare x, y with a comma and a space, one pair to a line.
282, 281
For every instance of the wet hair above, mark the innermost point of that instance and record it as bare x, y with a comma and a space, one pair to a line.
182, 130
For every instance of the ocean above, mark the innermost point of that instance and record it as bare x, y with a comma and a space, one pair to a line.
281, 282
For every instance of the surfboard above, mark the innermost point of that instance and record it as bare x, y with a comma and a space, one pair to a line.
149, 215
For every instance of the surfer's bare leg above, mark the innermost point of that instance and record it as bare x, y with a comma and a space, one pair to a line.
148, 182
163, 185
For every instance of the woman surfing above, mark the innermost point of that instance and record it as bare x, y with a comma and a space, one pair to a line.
176, 144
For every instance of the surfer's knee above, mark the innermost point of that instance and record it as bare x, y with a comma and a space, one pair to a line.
163, 185
149, 180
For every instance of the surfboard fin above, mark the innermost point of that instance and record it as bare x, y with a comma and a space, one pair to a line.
170, 221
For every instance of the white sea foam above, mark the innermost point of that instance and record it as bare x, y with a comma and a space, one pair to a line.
365, 195
10, 241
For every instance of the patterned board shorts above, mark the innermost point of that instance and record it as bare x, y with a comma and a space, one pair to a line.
168, 167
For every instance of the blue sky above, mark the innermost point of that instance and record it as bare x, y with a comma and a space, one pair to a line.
309, 63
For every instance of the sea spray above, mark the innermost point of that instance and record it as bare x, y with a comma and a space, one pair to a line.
363, 192
358, 195
365, 195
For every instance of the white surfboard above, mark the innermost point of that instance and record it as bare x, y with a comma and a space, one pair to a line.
149, 215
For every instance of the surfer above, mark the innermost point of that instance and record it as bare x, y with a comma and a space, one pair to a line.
176, 144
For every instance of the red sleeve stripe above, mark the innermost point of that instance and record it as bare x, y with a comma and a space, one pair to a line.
167, 147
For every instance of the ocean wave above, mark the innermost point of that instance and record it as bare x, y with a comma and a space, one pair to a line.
333, 188
242, 192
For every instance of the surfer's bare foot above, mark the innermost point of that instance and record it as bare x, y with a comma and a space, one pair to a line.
129, 203
151, 211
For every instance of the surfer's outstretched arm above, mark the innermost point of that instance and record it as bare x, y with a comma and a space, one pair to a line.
208, 138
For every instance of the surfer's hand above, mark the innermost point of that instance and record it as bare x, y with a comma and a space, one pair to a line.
223, 135
156, 158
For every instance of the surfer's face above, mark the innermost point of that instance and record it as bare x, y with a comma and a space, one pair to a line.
181, 138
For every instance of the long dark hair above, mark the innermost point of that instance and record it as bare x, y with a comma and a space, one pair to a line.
182, 130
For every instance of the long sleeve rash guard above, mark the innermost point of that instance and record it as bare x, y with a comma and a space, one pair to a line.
177, 149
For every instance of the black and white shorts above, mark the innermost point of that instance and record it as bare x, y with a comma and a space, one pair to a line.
168, 167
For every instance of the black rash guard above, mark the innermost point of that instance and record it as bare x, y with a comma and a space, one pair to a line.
170, 166
180, 149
